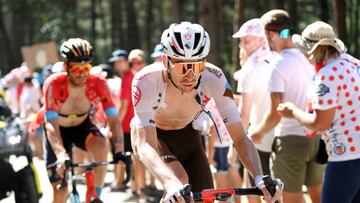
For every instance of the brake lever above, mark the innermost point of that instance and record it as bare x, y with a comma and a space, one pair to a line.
270, 185
186, 193
63, 182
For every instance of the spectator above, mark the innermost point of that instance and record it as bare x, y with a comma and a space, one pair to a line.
158, 52
119, 60
294, 154
137, 60
252, 85
334, 98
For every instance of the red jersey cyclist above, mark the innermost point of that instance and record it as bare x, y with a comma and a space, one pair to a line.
69, 97
169, 100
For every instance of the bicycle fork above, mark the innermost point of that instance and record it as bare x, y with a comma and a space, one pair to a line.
90, 185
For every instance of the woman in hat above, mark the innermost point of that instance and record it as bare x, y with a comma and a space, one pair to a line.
335, 98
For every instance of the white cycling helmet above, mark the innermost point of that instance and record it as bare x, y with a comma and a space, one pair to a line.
186, 41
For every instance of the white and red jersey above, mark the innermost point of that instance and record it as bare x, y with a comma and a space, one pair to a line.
149, 87
338, 85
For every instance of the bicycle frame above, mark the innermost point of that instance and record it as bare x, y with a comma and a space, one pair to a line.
91, 195
208, 196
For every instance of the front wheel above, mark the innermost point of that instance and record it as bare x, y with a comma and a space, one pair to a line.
73, 198
96, 201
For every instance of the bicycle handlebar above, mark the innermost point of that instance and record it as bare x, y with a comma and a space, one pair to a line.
225, 194
68, 164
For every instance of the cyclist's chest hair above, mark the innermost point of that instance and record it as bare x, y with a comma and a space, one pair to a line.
76, 103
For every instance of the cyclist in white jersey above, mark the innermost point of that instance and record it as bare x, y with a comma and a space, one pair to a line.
168, 100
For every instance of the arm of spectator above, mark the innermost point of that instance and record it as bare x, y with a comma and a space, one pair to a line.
319, 120
271, 119
245, 109
123, 109
211, 147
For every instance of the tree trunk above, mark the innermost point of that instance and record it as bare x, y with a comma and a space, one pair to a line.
93, 25
277, 4
149, 25
175, 11
293, 14
356, 31
238, 21
132, 26
161, 8
18, 22
117, 31
324, 10
6, 51
340, 18
208, 17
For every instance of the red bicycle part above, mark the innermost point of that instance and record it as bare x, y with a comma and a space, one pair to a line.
90, 185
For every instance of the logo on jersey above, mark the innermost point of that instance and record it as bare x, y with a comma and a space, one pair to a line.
136, 95
322, 90
339, 148
214, 71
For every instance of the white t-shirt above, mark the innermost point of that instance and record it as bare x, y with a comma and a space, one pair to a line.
114, 85
226, 140
291, 76
29, 100
338, 85
253, 79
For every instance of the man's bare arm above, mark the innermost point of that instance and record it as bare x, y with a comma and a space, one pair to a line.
117, 133
145, 142
53, 134
246, 149
245, 109
271, 119
123, 109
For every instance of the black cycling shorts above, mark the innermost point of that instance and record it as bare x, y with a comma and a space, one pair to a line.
76, 135
185, 146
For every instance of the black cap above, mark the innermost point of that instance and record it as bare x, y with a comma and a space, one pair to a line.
119, 54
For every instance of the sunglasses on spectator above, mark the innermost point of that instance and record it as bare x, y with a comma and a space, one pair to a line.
182, 68
77, 69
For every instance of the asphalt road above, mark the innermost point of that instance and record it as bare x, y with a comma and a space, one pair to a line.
107, 196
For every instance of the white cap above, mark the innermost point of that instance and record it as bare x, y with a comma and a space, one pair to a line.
251, 27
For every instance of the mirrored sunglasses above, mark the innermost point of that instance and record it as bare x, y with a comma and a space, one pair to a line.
77, 69
182, 68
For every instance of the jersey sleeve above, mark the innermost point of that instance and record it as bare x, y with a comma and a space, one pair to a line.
217, 87
143, 96
51, 95
104, 94
325, 90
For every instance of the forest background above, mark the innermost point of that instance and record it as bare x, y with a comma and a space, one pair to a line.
130, 24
